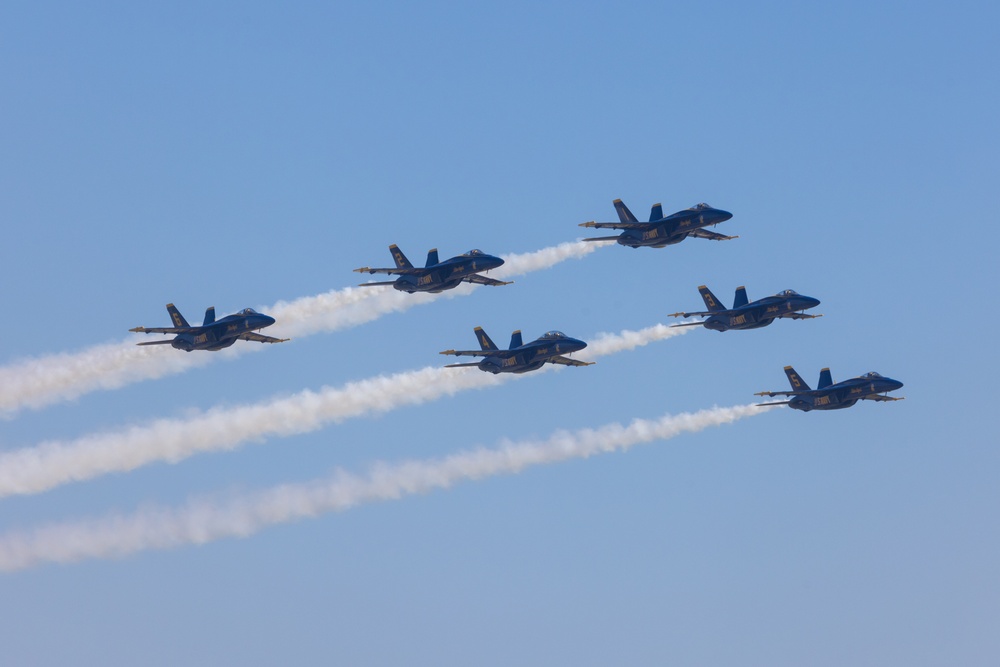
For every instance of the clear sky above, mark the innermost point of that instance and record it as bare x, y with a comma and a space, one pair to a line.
242, 154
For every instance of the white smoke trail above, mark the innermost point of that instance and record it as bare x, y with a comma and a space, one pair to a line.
36, 382
50, 464
203, 521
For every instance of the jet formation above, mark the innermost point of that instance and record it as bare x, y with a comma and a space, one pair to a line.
746, 314
212, 334
521, 357
829, 396
662, 231
437, 276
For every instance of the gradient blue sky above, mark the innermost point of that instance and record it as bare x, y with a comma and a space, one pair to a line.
242, 153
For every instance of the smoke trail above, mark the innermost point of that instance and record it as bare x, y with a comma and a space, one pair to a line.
40, 381
50, 464
204, 521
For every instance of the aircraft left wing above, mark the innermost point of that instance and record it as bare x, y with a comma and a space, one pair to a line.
260, 338
471, 353
401, 272
165, 330
616, 225
566, 361
711, 236
483, 280
880, 397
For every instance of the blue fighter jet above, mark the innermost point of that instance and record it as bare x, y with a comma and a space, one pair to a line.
663, 231
437, 276
521, 357
747, 314
212, 334
830, 396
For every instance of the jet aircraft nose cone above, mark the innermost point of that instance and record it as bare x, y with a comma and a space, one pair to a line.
896, 384
268, 320
812, 302
724, 215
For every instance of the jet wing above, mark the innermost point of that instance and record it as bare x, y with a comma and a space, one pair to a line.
566, 361
703, 314
261, 338
393, 271
617, 225
711, 236
880, 397
798, 316
764, 405
471, 353
483, 280
166, 330
809, 392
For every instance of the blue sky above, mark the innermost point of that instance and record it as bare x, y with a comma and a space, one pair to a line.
247, 153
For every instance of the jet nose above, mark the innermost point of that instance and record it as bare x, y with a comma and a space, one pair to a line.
724, 215
577, 344
896, 384
267, 320
811, 302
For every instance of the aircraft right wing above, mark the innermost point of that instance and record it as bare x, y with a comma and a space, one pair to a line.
799, 316
763, 405
711, 236
472, 353
880, 397
483, 280
260, 338
566, 361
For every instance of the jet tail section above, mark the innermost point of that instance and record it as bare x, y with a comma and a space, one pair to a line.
484, 341
432, 258
176, 317
656, 213
624, 214
399, 257
209, 316
515, 340
741, 297
825, 379
798, 384
711, 302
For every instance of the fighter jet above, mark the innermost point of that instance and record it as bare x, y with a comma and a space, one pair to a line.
212, 335
663, 231
829, 396
521, 357
437, 276
750, 315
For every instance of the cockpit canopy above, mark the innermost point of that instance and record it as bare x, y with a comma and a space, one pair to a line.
474, 253
788, 292
871, 375
248, 311
699, 207
553, 334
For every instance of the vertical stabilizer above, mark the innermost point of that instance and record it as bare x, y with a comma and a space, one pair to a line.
176, 317
624, 214
515, 340
432, 258
798, 384
209, 316
399, 257
656, 213
741, 297
825, 379
711, 302
484, 341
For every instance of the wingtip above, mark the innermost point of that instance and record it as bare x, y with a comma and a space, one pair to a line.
137, 330
447, 352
